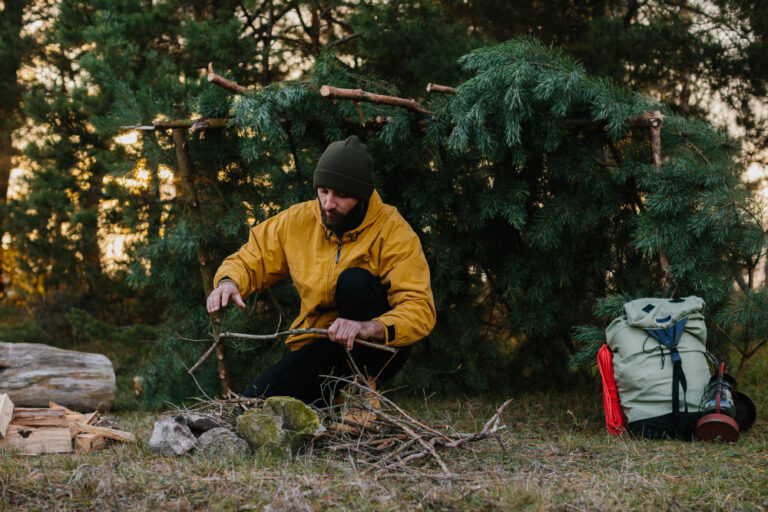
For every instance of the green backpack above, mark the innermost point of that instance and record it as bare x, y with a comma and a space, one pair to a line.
660, 364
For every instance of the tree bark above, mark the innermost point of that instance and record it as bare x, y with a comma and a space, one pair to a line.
34, 374
206, 271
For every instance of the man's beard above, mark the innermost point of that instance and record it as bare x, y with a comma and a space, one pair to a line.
341, 223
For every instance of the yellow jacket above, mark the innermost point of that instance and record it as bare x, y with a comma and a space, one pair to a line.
296, 242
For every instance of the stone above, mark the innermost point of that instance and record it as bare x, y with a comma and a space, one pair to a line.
172, 436
280, 427
221, 441
261, 429
200, 423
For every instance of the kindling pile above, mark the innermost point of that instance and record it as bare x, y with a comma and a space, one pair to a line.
54, 429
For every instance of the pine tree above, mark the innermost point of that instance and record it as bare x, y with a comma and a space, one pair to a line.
533, 188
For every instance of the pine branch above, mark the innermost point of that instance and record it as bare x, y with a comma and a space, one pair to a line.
361, 95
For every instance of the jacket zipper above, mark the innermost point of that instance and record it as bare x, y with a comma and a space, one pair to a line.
338, 250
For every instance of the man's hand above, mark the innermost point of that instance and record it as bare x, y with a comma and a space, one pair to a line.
224, 293
345, 331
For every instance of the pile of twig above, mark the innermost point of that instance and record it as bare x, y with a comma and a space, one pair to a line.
380, 436
383, 438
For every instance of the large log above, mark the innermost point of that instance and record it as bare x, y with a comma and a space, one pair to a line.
33, 374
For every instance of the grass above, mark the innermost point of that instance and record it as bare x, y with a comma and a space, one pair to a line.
556, 454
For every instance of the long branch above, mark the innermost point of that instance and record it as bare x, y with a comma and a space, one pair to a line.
361, 95
302, 331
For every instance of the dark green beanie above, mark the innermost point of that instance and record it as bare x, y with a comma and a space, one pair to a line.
346, 166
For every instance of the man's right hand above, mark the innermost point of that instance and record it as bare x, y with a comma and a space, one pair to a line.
224, 293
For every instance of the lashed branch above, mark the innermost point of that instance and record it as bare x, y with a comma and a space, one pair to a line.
440, 88
224, 83
329, 91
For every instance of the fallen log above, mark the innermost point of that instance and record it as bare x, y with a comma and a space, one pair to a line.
32, 374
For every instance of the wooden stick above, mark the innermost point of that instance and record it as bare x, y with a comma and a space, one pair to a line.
263, 337
197, 124
441, 88
361, 95
224, 83
324, 332
111, 433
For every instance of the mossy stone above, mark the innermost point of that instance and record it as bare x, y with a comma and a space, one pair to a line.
280, 427
260, 428
296, 415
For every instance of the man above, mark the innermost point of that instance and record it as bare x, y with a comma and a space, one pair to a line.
358, 267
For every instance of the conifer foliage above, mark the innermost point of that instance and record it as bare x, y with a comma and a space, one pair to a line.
533, 188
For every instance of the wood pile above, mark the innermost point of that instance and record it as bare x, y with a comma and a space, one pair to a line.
53, 429
387, 441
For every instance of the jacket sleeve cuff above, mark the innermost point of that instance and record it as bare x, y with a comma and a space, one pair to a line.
224, 278
390, 333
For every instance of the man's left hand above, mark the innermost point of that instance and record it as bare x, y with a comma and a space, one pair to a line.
345, 331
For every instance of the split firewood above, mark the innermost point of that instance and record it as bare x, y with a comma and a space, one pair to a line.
6, 413
110, 433
38, 417
37, 440
42, 430
87, 442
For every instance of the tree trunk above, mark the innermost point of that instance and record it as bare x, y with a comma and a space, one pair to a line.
206, 271
33, 374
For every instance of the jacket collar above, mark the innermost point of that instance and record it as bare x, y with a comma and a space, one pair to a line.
375, 205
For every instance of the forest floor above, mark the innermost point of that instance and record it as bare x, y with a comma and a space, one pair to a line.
554, 454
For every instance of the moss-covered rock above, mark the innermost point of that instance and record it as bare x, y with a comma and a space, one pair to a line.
296, 415
280, 427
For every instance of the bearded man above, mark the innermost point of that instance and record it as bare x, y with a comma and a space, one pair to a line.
359, 270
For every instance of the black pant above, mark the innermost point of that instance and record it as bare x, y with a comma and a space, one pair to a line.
359, 296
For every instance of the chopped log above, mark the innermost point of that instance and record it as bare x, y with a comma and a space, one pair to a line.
111, 433
39, 417
69, 412
361, 95
32, 374
86, 443
6, 413
34, 441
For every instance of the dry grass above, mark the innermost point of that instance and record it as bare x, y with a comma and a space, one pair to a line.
556, 455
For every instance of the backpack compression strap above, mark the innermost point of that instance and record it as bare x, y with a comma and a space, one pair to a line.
670, 337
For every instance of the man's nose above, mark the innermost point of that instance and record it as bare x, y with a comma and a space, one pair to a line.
330, 202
